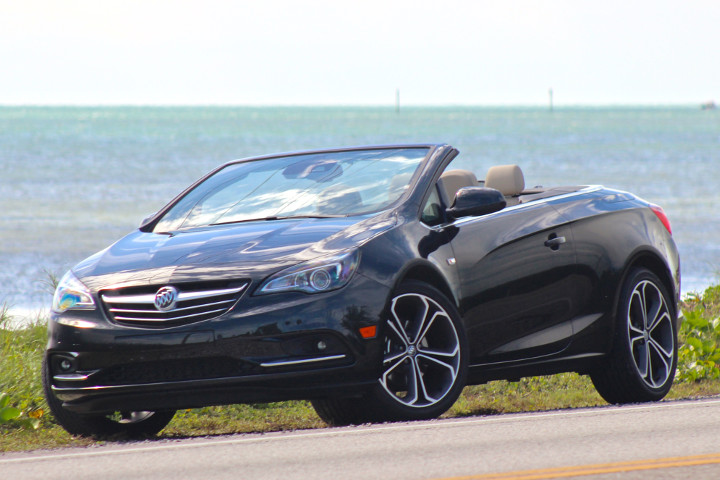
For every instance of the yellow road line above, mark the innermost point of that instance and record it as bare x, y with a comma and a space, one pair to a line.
597, 469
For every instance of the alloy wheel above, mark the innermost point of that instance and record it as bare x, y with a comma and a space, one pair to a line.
650, 332
422, 351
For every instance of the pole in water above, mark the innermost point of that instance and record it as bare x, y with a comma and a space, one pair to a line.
550, 93
397, 100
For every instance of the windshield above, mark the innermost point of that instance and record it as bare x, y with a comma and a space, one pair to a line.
314, 185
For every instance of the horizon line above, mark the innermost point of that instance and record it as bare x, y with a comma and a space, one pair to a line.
361, 105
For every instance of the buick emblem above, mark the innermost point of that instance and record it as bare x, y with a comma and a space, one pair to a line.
166, 298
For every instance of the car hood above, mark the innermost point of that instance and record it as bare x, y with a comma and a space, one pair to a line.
246, 250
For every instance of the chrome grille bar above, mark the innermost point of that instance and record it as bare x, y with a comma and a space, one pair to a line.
181, 317
150, 298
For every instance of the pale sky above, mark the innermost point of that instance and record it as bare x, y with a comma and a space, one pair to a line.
316, 52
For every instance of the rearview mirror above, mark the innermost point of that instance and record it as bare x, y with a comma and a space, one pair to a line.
473, 201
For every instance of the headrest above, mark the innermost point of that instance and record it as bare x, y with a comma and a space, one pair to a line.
508, 179
453, 180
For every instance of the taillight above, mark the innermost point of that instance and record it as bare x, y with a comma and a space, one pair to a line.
657, 210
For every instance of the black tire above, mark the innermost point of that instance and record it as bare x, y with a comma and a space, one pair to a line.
122, 424
424, 364
343, 411
641, 365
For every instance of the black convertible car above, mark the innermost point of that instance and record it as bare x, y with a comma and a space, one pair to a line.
374, 281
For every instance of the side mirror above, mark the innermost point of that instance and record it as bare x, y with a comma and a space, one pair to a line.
473, 201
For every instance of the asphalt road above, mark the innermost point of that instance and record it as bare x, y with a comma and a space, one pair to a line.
666, 440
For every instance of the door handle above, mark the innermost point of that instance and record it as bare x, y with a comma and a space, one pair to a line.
554, 242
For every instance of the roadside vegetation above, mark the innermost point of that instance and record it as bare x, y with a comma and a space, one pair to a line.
699, 356
26, 423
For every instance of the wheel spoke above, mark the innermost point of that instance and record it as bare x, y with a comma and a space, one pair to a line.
655, 314
641, 360
438, 353
636, 312
410, 382
649, 370
639, 297
390, 370
647, 305
665, 317
399, 331
660, 349
413, 380
423, 323
427, 327
634, 340
666, 366
420, 380
633, 328
392, 358
449, 366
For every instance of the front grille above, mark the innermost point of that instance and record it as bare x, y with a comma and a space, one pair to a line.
195, 302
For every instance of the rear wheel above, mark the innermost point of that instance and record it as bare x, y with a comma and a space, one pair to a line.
641, 366
424, 362
125, 423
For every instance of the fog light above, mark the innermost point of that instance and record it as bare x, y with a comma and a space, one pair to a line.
65, 363
321, 345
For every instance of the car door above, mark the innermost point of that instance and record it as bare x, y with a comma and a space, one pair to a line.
517, 288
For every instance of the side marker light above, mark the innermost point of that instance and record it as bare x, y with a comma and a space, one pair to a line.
368, 332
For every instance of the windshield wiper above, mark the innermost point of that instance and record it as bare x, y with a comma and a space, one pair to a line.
289, 217
328, 215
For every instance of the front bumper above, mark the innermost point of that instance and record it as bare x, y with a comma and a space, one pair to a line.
218, 391
266, 348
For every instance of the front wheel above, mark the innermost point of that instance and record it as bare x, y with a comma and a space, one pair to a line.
424, 362
641, 366
126, 423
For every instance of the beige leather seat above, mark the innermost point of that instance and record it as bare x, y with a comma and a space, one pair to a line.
508, 179
453, 180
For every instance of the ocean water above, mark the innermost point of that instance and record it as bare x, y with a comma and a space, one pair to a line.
75, 179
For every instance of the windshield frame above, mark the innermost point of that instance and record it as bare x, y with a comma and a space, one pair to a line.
151, 222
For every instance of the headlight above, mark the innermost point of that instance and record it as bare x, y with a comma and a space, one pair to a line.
71, 294
321, 275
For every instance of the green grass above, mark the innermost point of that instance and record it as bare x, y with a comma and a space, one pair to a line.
21, 352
